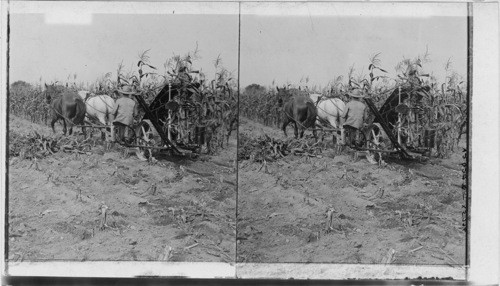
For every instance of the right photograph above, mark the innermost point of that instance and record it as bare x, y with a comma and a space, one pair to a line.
353, 131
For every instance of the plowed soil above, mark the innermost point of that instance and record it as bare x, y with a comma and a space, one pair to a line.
401, 213
175, 210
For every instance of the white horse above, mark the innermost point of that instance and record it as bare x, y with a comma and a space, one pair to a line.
100, 107
330, 110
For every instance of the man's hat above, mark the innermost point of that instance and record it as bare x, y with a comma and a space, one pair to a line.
356, 93
128, 89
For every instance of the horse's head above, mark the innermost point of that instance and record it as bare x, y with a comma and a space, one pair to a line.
48, 93
316, 98
52, 91
282, 95
88, 95
282, 90
280, 101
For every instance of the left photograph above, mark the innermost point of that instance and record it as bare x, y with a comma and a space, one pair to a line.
122, 131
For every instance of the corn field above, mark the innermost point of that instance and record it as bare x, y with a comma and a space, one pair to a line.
212, 103
28, 101
210, 106
261, 105
432, 106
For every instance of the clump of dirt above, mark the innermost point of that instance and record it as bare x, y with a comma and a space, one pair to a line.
108, 205
335, 208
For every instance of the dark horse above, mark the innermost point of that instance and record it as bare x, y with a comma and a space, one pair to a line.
66, 105
299, 109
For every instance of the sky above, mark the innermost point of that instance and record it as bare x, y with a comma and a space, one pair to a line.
287, 42
90, 40
280, 42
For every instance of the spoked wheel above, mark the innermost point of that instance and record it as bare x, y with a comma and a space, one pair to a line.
374, 137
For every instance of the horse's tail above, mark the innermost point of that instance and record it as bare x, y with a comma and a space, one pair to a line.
311, 114
80, 110
107, 116
340, 104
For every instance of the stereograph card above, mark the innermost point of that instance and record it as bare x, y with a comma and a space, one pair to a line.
251, 140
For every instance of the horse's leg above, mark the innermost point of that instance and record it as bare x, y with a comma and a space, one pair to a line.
70, 125
103, 131
333, 122
302, 128
52, 122
285, 124
317, 124
64, 128
102, 119
295, 130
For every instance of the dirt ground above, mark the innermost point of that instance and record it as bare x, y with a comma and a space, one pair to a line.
180, 210
54, 207
402, 213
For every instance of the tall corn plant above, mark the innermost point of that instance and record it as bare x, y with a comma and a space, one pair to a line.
214, 101
440, 109
145, 79
27, 101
